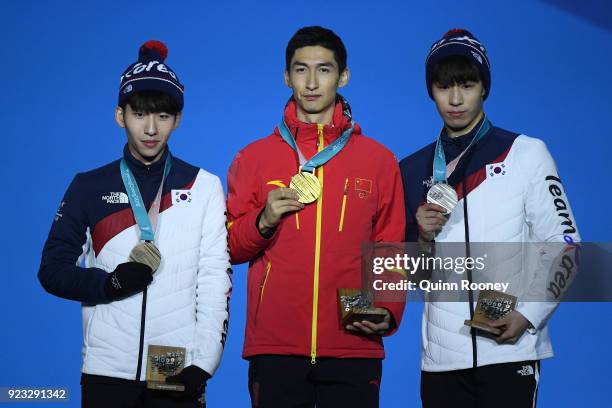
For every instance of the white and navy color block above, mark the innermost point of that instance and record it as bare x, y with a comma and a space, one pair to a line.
186, 304
509, 191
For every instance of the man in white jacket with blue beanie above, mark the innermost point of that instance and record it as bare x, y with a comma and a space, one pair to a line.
141, 243
504, 188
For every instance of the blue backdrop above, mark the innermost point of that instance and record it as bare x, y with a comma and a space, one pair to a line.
60, 68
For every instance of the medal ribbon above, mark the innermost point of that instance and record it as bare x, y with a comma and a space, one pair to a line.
324, 155
440, 169
146, 222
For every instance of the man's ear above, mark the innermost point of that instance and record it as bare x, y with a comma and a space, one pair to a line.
177, 119
119, 118
344, 78
287, 79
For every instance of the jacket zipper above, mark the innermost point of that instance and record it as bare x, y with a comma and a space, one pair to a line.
343, 205
143, 315
317, 260
466, 225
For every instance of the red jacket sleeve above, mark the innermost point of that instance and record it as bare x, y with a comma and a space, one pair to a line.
243, 206
390, 224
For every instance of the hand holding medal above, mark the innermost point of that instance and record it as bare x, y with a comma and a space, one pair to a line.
305, 187
430, 220
441, 200
305, 182
441, 197
280, 202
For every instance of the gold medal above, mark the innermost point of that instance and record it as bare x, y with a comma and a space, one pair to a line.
146, 253
307, 186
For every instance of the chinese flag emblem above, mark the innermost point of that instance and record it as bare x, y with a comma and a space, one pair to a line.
363, 185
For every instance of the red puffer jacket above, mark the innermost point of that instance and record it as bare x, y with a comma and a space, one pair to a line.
293, 276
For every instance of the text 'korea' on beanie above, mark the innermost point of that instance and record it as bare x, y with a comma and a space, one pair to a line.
150, 73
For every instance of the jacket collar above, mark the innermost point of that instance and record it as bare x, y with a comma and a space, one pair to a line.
341, 121
139, 168
453, 146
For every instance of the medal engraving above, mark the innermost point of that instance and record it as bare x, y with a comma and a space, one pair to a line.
443, 195
146, 253
307, 186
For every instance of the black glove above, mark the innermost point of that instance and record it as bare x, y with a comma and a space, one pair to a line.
127, 278
194, 379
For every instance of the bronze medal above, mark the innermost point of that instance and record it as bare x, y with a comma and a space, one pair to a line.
146, 253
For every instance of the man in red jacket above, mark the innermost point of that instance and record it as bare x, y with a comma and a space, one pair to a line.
303, 243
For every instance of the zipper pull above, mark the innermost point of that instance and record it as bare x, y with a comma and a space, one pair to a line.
343, 209
320, 140
313, 358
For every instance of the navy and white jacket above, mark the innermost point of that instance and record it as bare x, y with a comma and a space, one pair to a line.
187, 303
514, 194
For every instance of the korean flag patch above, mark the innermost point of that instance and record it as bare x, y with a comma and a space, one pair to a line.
495, 170
181, 197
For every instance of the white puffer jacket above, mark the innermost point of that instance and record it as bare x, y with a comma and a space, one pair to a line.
187, 302
514, 195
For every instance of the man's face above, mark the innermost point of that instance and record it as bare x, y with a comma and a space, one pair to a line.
147, 133
459, 105
314, 77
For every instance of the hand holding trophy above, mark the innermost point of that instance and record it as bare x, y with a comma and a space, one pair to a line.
490, 307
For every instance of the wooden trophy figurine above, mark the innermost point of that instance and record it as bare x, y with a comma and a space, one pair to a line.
491, 305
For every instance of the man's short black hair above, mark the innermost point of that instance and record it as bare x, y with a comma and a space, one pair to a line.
313, 36
152, 102
455, 69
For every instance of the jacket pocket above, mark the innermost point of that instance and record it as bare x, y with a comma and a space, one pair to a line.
87, 335
343, 207
262, 288
89, 326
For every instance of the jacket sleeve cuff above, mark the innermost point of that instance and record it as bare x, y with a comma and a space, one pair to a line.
531, 329
537, 313
270, 233
246, 241
208, 365
396, 309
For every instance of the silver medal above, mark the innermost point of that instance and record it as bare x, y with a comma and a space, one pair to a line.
443, 195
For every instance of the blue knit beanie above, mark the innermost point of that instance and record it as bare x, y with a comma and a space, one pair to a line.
459, 42
150, 73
